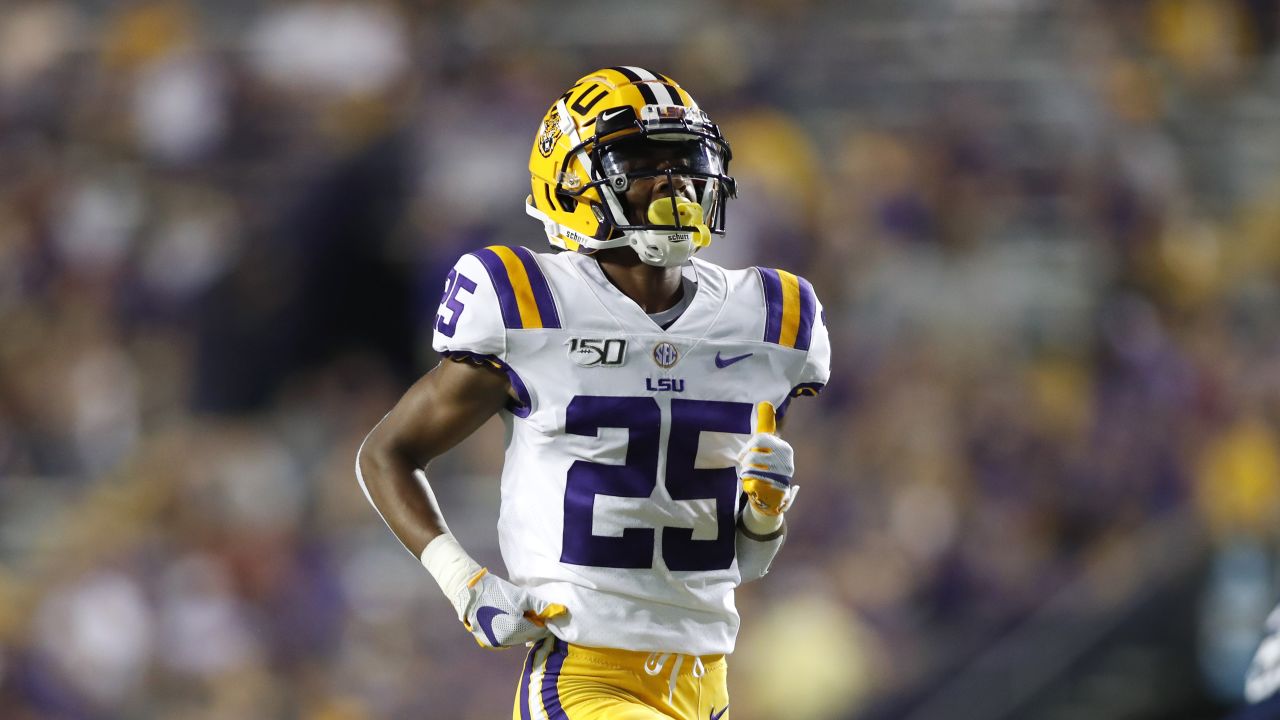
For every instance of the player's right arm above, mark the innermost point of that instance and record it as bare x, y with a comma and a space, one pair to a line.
444, 407
439, 411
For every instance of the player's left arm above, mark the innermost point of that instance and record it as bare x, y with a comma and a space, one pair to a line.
767, 465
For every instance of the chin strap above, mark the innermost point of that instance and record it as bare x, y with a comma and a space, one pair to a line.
557, 233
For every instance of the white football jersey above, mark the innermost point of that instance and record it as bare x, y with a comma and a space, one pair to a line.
619, 488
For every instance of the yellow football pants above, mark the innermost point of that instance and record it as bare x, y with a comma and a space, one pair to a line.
572, 682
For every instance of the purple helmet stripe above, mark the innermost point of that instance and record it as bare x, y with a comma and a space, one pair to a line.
541, 289
502, 285
773, 303
551, 679
808, 306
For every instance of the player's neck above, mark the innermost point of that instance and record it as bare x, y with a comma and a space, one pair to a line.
654, 289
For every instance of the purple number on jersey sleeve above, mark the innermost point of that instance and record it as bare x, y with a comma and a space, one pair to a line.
637, 478
586, 415
453, 283
688, 419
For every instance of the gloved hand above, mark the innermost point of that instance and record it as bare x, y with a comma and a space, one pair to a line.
496, 612
499, 614
766, 465
1263, 678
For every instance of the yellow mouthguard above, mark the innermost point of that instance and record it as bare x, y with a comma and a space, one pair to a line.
690, 217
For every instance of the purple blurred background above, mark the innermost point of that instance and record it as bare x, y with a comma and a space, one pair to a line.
1044, 481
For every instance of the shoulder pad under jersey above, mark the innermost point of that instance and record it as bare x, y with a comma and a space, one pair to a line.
794, 318
488, 293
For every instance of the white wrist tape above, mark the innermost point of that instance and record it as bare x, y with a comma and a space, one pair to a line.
759, 523
452, 568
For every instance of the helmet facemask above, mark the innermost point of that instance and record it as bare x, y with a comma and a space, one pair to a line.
675, 148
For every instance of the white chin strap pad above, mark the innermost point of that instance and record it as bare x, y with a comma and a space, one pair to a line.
663, 248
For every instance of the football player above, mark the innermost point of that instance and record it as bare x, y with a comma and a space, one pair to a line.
644, 479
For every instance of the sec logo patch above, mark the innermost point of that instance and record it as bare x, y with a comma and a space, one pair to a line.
665, 355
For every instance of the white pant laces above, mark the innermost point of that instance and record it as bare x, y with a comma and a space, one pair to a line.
653, 665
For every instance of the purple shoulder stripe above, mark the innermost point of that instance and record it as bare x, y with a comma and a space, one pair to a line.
502, 285
773, 303
541, 289
808, 309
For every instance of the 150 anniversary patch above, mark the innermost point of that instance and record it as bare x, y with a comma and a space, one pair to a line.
591, 352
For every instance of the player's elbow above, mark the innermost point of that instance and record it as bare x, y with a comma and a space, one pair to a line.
379, 464
366, 464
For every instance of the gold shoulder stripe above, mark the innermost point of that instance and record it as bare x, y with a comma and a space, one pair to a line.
530, 318
790, 308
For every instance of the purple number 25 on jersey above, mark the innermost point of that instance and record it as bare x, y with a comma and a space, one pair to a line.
454, 283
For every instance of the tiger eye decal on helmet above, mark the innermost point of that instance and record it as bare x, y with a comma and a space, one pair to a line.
550, 132
612, 128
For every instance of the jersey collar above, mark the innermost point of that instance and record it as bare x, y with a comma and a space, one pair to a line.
697, 319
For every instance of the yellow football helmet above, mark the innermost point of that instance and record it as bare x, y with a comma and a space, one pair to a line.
612, 127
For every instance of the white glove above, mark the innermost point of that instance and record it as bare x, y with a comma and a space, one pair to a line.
766, 465
496, 612
1263, 678
499, 614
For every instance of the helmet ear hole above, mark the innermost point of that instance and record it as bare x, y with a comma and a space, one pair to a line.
567, 202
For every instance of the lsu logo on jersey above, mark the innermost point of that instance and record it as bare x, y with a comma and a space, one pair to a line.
664, 384
592, 352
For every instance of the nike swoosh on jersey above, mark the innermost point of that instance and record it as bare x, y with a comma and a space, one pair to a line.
485, 616
716, 715
726, 362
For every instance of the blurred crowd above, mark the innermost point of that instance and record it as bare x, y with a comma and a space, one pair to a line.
1046, 232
